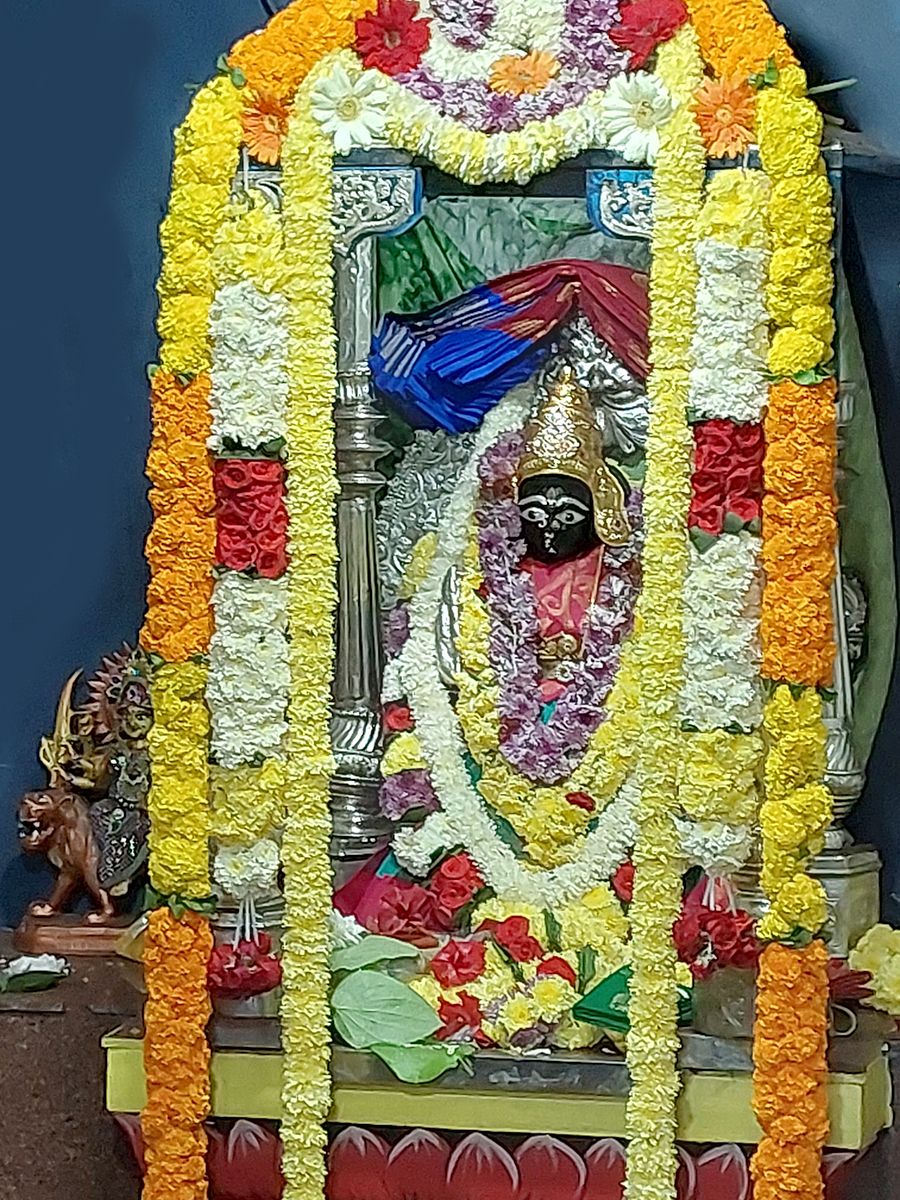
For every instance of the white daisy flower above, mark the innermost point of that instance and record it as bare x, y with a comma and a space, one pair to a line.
352, 110
635, 107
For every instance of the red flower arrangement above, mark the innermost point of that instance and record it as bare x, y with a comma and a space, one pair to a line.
623, 882
458, 963
251, 517
558, 966
463, 1017
646, 23
247, 969
707, 939
727, 482
393, 38
581, 800
398, 718
410, 913
456, 883
513, 935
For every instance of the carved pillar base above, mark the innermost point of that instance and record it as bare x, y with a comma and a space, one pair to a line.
850, 877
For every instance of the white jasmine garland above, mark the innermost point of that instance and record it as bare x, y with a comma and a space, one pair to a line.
537, 25
345, 931
415, 847
731, 340
722, 598
464, 815
717, 848
247, 872
249, 366
249, 681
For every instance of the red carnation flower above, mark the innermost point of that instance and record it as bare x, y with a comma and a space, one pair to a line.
646, 23
393, 38
407, 912
623, 882
581, 800
398, 718
463, 1017
513, 935
558, 966
247, 969
458, 963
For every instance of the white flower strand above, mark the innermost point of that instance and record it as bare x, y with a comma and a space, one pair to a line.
249, 366
441, 738
731, 340
721, 626
249, 681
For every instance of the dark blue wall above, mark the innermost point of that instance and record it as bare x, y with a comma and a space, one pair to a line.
91, 93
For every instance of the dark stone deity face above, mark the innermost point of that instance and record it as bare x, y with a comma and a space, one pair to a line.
557, 517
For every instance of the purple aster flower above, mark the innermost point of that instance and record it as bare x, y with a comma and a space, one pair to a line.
396, 629
406, 792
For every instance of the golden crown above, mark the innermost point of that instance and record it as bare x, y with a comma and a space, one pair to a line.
563, 439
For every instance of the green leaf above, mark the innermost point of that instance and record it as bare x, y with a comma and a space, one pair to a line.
238, 78
370, 1008
152, 369
424, 1062
767, 78
732, 523
587, 967
371, 950
701, 539
31, 981
553, 930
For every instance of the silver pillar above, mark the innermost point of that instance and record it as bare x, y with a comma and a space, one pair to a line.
367, 201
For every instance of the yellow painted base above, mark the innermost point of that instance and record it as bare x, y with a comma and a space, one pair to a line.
714, 1107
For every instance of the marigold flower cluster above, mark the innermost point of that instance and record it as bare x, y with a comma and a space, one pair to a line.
790, 1071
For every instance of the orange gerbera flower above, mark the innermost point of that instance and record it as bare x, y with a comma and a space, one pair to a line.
265, 124
514, 75
724, 109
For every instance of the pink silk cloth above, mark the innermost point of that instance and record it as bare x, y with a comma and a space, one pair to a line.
564, 593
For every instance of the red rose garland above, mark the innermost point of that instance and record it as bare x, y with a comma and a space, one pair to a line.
727, 479
251, 517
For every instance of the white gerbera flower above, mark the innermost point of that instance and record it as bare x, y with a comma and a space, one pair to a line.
635, 107
352, 110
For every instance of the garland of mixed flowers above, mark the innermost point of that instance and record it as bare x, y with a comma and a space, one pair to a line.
267, 335
177, 628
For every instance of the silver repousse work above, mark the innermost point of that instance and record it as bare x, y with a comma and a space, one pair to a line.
415, 499
367, 201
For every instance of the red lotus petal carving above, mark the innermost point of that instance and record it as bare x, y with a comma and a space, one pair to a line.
130, 1125
244, 1163
480, 1167
417, 1167
605, 1163
548, 1169
686, 1179
722, 1174
357, 1161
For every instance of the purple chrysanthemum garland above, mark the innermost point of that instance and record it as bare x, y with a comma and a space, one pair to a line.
588, 61
547, 752
406, 792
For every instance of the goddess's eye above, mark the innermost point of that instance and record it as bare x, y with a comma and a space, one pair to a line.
534, 514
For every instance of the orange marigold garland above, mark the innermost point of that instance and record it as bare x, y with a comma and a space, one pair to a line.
275, 60
181, 544
789, 1081
176, 1056
738, 37
799, 532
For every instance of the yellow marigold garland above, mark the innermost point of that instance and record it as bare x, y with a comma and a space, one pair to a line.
206, 155
306, 1032
796, 813
789, 128
653, 1039
246, 802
